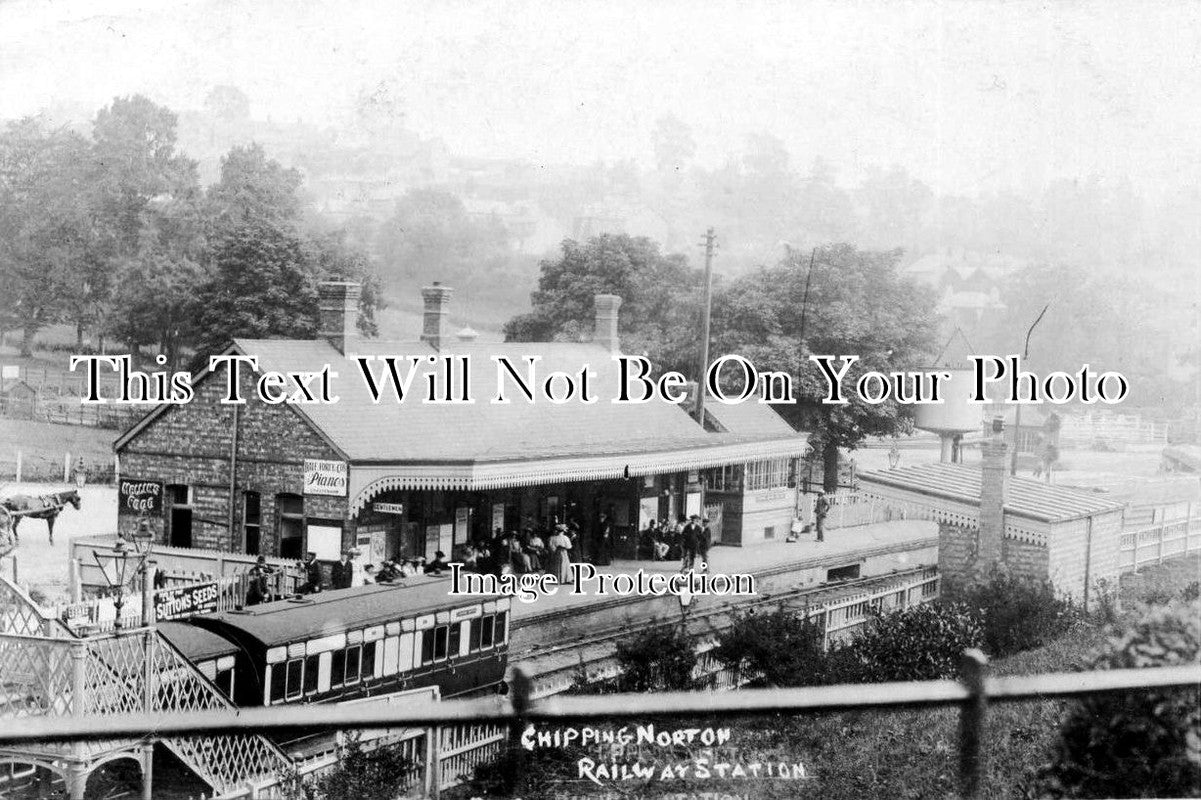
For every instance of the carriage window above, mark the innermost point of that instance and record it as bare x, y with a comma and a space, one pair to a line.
278, 678
486, 632
337, 669
290, 508
440, 637
251, 521
501, 620
369, 655
311, 671
473, 642
427, 646
353, 657
225, 682
456, 635
295, 669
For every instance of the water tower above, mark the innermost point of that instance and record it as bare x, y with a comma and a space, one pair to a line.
955, 415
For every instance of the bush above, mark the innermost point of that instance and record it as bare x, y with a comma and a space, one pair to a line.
1137, 744
382, 773
1017, 613
923, 642
658, 659
783, 647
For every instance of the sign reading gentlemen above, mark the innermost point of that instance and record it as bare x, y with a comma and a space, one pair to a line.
325, 477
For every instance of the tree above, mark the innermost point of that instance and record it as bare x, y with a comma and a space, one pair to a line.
136, 177
263, 286
783, 647
660, 294
254, 188
673, 143
46, 240
856, 303
657, 660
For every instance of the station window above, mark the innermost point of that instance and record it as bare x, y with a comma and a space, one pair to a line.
290, 508
311, 671
252, 505
770, 474
179, 520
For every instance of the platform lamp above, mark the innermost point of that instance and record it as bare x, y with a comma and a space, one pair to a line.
123, 554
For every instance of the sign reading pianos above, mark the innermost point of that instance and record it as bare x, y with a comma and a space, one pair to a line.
137, 498
325, 477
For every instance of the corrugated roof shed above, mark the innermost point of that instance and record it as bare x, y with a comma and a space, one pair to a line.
1023, 497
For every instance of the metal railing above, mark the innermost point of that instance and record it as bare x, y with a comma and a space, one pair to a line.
973, 694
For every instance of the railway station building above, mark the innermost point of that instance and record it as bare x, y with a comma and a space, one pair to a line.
406, 479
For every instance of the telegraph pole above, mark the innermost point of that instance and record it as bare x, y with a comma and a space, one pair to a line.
710, 240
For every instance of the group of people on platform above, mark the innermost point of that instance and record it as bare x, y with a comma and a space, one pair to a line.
687, 540
542, 549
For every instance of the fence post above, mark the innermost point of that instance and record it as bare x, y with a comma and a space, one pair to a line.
521, 690
67, 467
18, 466
972, 720
75, 580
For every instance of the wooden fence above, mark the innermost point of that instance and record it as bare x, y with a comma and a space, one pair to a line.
1154, 544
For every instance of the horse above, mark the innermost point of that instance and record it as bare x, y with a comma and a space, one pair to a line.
46, 506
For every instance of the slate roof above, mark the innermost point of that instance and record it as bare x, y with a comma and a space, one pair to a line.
1023, 497
749, 419
414, 431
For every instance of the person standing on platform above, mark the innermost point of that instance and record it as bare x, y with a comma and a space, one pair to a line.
559, 564
314, 580
689, 541
820, 509
257, 590
343, 572
602, 552
703, 544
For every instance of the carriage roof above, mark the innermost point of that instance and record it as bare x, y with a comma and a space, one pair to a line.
338, 610
196, 643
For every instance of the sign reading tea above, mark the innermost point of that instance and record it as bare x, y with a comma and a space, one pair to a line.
136, 497
325, 477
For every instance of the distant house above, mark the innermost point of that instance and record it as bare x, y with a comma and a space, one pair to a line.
18, 398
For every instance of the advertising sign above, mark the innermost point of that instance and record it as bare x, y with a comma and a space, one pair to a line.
185, 601
325, 477
136, 498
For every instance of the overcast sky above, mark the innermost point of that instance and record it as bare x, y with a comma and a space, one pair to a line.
967, 96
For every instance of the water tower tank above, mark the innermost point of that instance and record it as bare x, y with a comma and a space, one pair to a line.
955, 415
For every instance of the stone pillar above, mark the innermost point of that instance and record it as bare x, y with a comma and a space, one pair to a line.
994, 470
437, 313
605, 331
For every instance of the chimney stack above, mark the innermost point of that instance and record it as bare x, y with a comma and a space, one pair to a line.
338, 302
605, 332
994, 473
434, 326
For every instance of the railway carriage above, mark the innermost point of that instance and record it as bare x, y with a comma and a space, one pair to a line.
347, 644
